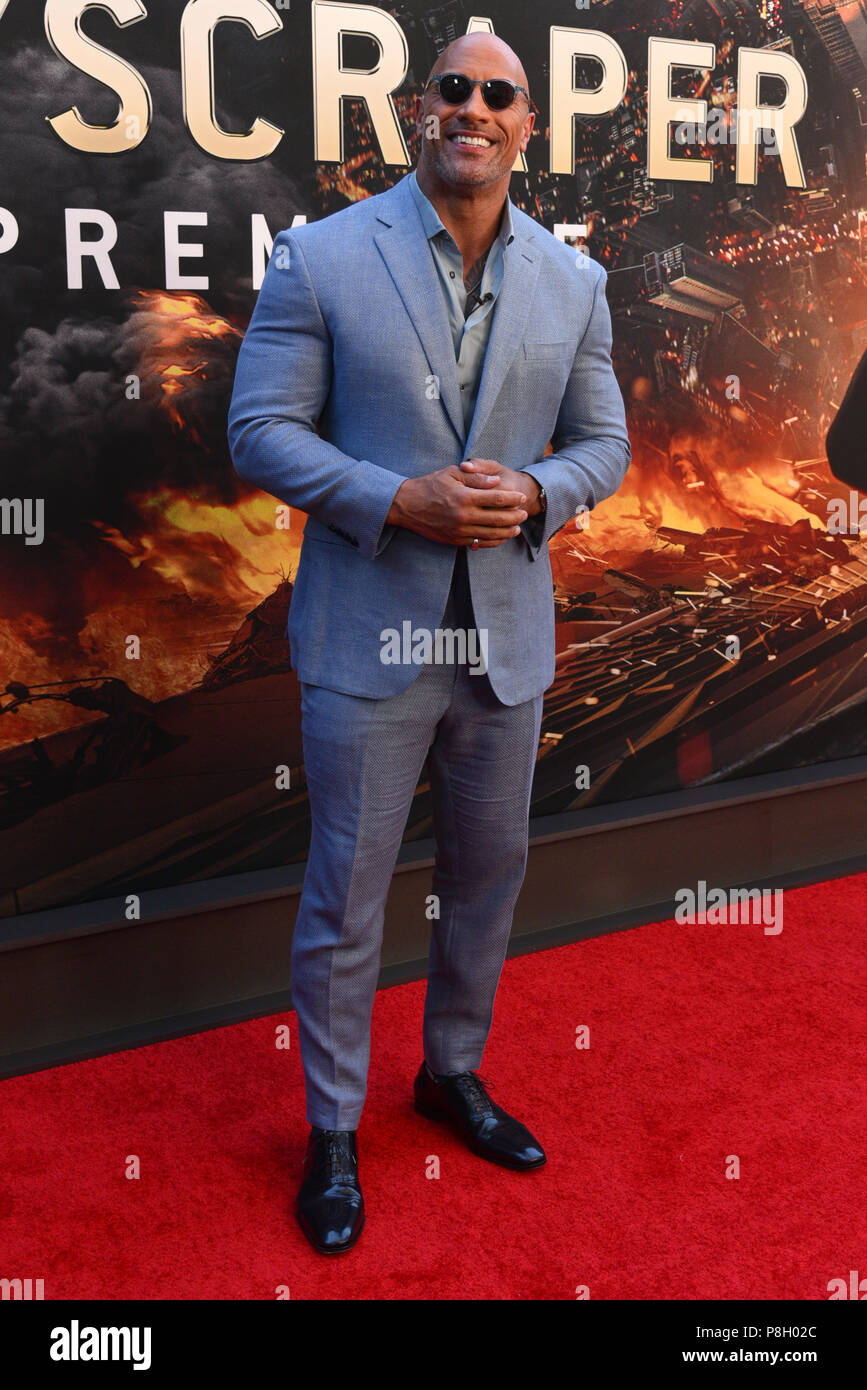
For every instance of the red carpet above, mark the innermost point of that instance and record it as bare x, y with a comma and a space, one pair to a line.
705, 1042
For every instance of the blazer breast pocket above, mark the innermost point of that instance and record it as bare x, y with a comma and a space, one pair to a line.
545, 351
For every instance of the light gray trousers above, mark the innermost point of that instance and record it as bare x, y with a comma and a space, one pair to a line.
363, 759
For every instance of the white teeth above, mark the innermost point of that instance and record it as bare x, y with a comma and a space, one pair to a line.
472, 140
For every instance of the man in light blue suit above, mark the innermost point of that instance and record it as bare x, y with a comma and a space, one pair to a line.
406, 365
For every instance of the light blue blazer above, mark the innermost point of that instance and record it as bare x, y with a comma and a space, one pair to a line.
347, 383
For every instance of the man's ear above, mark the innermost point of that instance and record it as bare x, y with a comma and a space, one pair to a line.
528, 130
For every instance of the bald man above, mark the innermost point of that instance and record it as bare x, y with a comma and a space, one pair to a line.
406, 365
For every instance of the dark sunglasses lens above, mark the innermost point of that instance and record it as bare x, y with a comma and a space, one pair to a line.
498, 94
454, 89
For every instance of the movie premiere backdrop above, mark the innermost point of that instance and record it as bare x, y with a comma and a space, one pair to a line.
712, 617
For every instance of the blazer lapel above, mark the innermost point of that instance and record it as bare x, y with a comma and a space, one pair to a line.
405, 250
521, 264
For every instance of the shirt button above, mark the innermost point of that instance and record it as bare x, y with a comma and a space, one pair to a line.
452, 274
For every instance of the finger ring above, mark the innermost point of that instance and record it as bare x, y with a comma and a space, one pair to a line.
474, 546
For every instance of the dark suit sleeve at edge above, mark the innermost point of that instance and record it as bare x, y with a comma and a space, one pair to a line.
846, 444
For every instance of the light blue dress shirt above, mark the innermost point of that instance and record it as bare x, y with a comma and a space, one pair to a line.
470, 335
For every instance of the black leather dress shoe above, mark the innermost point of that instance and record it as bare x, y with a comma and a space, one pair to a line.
329, 1206
462, 1098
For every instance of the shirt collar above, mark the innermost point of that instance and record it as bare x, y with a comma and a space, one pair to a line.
432, 222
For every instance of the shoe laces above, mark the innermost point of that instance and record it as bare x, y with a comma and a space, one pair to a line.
475, 1087
339, 1161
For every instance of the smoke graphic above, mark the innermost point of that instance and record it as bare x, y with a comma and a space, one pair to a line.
113, 404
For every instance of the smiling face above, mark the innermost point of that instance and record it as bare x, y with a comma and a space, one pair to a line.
470, 145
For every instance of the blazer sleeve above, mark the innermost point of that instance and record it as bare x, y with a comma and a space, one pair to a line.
846, 444
591, 445
282, 382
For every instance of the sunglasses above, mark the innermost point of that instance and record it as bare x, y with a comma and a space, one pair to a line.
455, 88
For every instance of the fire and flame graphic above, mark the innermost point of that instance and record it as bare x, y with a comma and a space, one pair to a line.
196, 558
243, 546
177, 355
701, 481
193, 560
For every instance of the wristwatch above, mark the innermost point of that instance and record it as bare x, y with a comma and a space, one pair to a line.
543, 499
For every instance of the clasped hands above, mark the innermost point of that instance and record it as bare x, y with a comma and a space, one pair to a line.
478, 500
